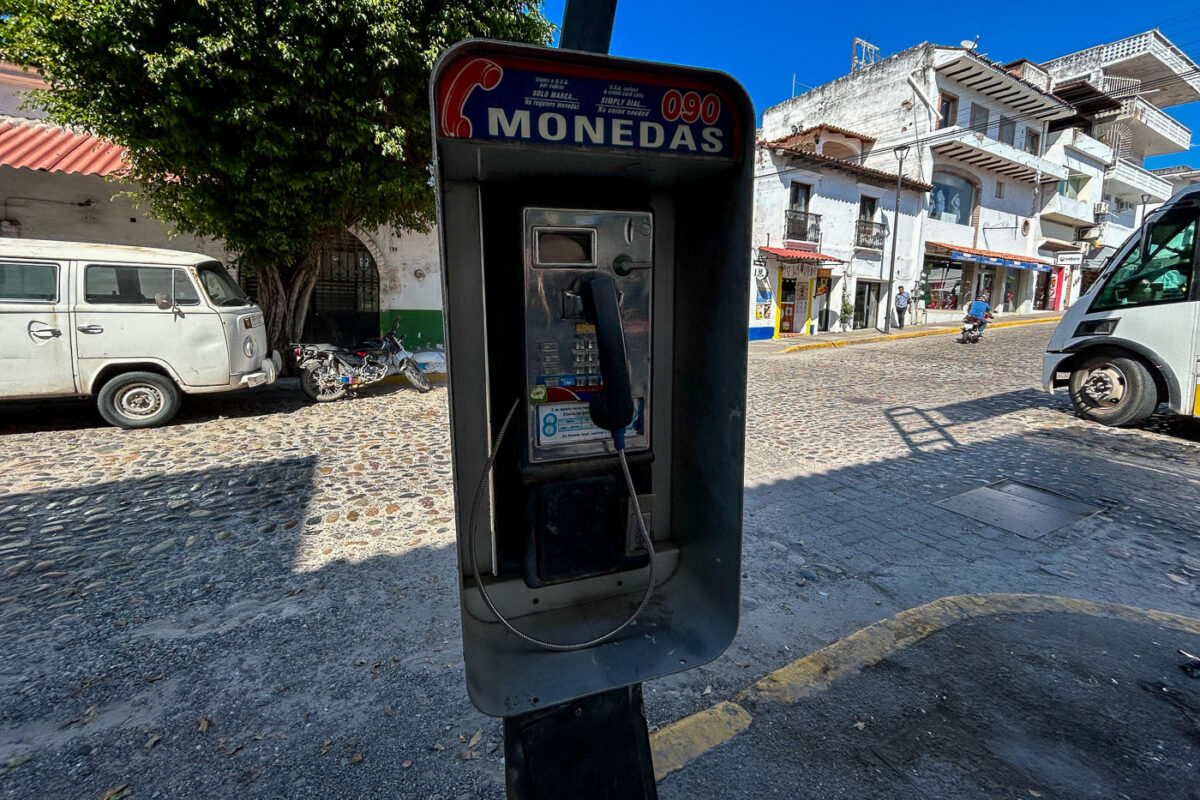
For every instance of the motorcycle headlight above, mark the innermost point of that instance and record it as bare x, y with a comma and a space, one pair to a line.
248, 347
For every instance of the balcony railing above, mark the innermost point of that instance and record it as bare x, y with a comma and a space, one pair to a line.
1151, 116
869, 234
802, 226
1137, 180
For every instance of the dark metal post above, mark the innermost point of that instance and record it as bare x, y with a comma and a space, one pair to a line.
587, 25
901, 151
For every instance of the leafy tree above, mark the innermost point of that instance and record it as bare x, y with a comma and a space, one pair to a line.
270, 124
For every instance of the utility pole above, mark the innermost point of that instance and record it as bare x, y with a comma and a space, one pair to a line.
901, 151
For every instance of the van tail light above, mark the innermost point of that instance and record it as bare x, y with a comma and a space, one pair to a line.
296, 352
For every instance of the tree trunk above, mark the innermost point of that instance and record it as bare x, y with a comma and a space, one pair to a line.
284, 291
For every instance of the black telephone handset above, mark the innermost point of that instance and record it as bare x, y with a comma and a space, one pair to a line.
610, 408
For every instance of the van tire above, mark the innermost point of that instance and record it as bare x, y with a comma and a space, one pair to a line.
138, 400
1113, 390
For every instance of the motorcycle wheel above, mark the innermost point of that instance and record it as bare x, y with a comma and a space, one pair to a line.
416, 377
321, 384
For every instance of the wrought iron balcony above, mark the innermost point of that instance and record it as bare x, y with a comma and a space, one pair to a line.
802, 226
869, 234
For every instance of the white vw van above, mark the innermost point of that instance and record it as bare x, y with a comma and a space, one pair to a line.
134, 326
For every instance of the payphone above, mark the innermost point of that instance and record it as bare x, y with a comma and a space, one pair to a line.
594, 221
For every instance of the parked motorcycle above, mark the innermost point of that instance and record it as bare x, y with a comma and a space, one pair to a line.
972, 329
327, 371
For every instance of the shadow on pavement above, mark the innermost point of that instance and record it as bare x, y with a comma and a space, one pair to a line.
154, 637
282, 397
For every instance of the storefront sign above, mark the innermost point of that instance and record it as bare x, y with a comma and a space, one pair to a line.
799, 272
1069, 259
516, 99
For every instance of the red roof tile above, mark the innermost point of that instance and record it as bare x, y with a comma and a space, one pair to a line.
57, 150
799, 255
988, 253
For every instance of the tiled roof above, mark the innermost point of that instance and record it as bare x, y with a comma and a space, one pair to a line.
788, 146
56, 150
989, 253
799, 255
836, 129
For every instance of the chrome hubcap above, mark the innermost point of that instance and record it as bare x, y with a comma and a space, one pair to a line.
139, 401
1105, 385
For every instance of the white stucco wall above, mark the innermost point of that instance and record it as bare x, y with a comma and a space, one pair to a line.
84, 208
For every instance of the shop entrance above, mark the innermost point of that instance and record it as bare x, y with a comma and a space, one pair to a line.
821, 311
1043, 293
866, 303
787, 305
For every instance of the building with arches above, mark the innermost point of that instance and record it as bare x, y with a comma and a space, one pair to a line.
59, 184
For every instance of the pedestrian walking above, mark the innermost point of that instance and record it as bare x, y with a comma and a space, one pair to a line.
902, 299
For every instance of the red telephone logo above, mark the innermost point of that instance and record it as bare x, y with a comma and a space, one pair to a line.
456, 89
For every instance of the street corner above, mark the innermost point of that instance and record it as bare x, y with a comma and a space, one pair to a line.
971, 695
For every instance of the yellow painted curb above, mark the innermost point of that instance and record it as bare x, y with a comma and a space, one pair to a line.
796, 348
675, 745
871, 644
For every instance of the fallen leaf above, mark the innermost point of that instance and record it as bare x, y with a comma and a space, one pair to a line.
462, 738
476, 738
357, 757
439, 746
406, 763
1035, 793
236, 748
152, 742
116, 794
325, 745
16, 761
707, 689
468, 754
202, 725
157, 677
860, 725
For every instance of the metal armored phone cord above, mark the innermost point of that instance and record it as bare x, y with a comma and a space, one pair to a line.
619, 443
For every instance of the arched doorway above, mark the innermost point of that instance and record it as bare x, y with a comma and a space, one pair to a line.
344, 307
345, 302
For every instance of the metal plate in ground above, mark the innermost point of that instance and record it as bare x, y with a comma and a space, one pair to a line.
1018, 508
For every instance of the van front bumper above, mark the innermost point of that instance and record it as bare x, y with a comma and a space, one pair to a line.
1050, 362
268, 373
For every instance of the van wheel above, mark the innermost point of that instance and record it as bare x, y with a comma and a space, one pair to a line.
138, 400
1113, 390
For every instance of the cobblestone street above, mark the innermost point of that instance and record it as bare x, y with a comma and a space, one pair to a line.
260, 598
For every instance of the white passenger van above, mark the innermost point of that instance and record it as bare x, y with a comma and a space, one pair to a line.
134, 326
1133, 341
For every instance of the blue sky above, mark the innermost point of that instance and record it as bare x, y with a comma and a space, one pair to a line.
764, 42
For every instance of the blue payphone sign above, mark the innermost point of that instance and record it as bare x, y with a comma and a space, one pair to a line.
511, 99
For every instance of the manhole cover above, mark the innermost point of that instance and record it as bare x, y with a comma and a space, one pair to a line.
1018, 508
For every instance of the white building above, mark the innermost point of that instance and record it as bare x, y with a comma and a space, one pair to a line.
979, 135
57, 184
1140, 76
822, 232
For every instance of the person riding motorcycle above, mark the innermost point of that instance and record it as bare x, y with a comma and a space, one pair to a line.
981, 311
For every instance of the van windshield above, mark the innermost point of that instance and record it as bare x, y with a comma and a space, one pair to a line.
220, 288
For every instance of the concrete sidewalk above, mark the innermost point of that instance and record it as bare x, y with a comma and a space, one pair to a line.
984, 696
794, 343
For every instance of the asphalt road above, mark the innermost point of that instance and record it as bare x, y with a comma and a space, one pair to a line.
260, 599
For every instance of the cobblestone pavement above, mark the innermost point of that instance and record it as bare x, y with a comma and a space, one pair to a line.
260, 598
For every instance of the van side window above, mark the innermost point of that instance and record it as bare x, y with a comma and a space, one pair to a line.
36, 282
1165, 277
136, 285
